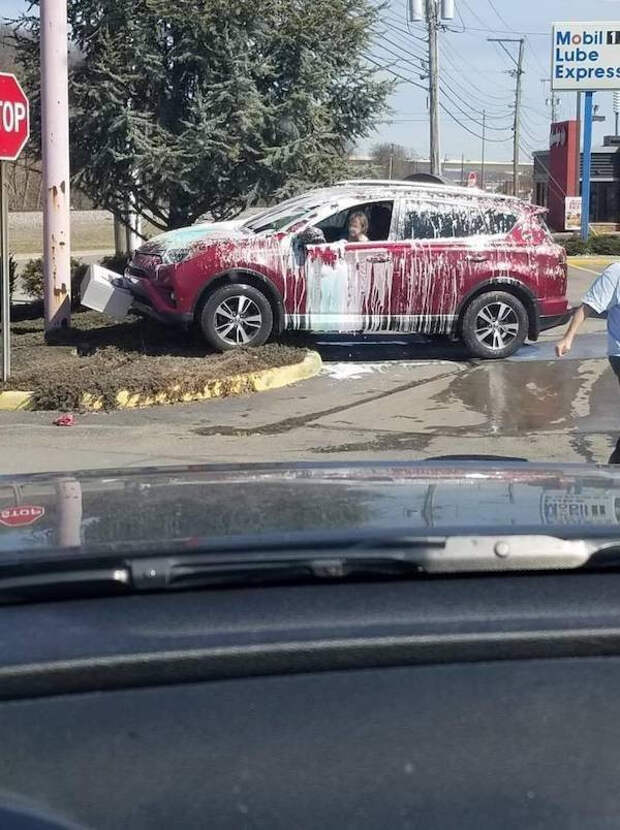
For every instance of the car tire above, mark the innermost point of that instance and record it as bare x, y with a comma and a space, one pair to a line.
494, 325
236, 316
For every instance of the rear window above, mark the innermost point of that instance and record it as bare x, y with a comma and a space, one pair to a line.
433, 221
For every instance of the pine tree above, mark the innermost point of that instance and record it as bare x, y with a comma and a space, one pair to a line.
207, 106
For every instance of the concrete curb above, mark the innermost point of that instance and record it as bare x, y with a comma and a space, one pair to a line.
13, 400
259, 381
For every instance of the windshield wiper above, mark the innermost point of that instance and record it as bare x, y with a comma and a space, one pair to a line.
392, 557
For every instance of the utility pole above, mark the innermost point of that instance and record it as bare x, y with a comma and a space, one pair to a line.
433, 15
553, 100
516, 73
484, 141
55, 147
433, 85
391, 162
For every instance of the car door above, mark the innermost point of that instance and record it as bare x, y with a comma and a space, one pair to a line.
446, 253
349, 284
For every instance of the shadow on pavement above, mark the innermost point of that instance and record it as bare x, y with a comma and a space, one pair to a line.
372, 348
379, 348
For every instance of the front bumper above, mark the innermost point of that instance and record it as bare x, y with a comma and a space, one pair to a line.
143, 304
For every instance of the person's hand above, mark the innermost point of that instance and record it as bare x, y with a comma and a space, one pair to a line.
563, 347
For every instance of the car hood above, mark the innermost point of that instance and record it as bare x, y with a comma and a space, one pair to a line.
186, 507
193, 236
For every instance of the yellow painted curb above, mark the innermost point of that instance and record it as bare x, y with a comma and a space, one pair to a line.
591, 260
237, 385
12, 400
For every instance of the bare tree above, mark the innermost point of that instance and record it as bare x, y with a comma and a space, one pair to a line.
392, 159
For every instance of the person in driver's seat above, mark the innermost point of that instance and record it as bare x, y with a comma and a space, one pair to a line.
357, 227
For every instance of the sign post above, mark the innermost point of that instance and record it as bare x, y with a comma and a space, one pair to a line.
4, 271
586, 58
14, 132
587, 165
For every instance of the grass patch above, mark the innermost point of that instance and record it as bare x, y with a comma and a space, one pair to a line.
100, 357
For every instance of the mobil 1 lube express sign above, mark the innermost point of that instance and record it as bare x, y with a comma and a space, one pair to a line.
586, 56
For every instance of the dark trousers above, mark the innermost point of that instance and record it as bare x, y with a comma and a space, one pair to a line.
615, 365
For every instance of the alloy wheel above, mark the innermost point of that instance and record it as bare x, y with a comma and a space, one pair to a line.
238, 320
497, 325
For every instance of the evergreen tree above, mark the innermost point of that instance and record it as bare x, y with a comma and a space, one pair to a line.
207, 106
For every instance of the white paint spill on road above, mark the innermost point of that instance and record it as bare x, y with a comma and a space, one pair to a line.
347, 371
354, 371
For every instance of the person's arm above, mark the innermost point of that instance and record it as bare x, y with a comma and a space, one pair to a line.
597, 299
579, 317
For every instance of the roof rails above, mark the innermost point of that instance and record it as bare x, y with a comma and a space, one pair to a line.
442, 188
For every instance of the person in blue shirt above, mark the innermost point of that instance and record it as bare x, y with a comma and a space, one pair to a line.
603, 297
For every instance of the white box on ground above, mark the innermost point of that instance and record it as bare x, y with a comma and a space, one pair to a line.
99, 292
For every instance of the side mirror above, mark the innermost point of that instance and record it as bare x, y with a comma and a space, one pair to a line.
312, 236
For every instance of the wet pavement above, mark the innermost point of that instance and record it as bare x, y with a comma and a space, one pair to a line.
377, 397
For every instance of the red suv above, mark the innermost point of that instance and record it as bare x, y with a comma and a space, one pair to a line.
433, 259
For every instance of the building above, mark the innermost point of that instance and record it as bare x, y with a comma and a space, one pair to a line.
555, 178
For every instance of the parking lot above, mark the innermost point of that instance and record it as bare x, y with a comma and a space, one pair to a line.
377, 397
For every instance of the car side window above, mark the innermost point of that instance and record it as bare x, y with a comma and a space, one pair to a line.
425, 220
379, 215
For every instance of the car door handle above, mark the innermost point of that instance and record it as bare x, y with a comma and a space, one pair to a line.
476, 258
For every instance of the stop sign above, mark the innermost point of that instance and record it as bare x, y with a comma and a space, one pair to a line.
14, 118
20, 515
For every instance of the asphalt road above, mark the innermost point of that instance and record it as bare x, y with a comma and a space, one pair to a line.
377, 397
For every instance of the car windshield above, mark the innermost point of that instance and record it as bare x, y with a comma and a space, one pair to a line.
344, 275
275, 220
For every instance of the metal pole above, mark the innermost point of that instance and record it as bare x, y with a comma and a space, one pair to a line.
433, 85
517, 124
4, 274
587, 159
391, 162
69, 503
462, 169
578, 146
55, 147
484, 137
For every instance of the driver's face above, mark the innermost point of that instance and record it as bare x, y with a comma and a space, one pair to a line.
355, 228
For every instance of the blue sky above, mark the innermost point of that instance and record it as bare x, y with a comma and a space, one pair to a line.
474, 73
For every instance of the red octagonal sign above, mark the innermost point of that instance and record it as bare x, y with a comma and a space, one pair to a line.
20, 515
14, 118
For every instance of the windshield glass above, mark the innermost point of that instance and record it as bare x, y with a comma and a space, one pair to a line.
347, 286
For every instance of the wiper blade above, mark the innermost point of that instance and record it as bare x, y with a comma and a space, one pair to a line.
385, 558
394, 557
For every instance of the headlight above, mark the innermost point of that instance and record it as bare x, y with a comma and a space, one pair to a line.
175, 255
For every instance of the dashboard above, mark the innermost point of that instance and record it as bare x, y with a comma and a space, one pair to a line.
469, 702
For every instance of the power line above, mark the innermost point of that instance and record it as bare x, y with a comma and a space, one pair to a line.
406, 53
502, 20
447, 95
451, 115
401, 57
